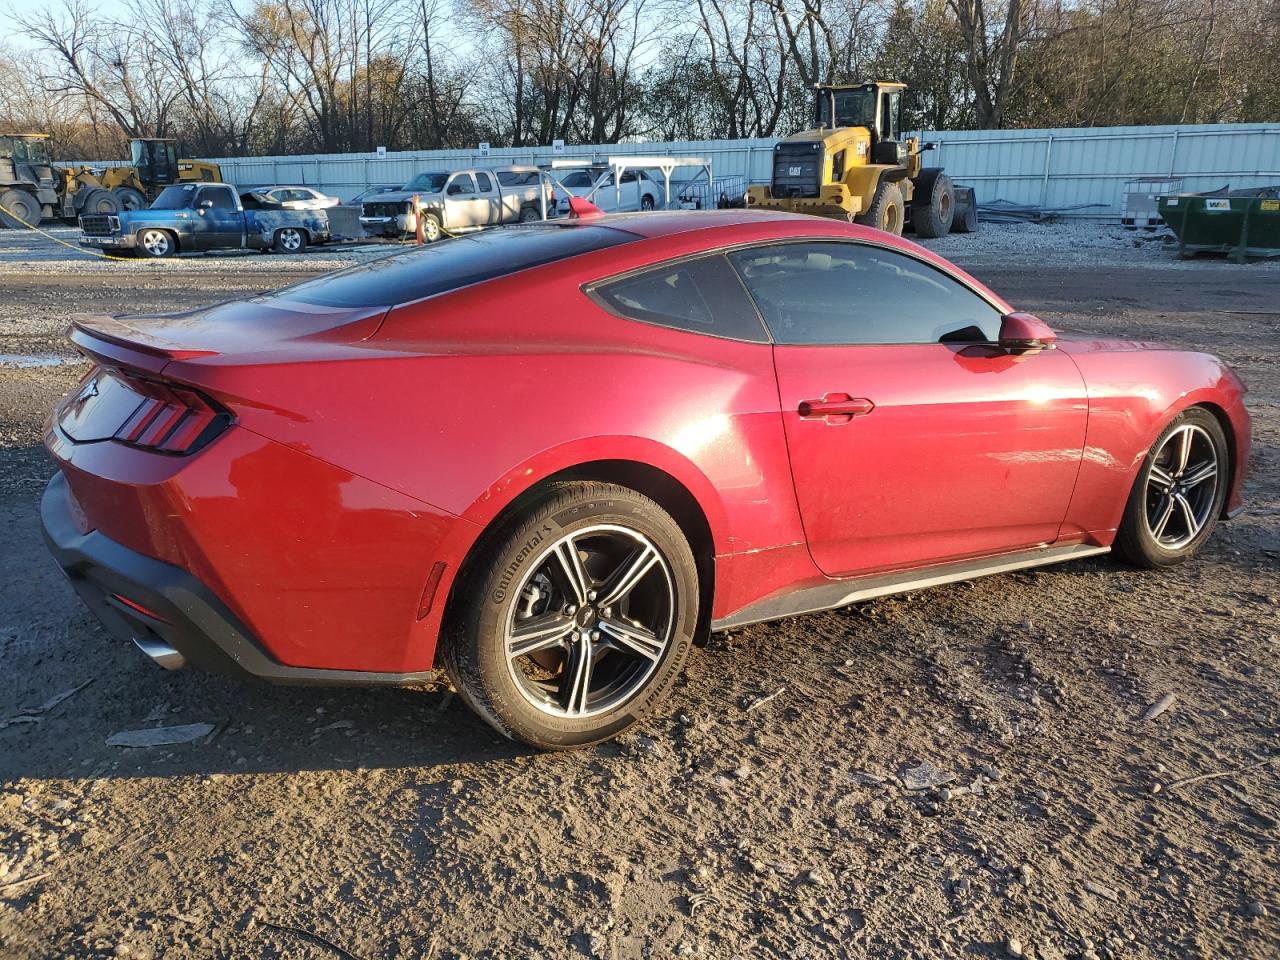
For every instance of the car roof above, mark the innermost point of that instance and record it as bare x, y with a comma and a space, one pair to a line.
285, 186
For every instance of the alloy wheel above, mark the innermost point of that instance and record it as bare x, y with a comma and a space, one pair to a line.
290, 240
594, 617
156, 242
1182, 487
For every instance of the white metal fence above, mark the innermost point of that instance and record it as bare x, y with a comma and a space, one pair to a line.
1084, 169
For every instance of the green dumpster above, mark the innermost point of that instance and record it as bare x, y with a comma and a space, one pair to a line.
1243, 223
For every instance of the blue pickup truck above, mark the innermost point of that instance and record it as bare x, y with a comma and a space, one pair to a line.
192, 217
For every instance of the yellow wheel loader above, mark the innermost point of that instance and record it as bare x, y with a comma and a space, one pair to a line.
855, 164
155, 165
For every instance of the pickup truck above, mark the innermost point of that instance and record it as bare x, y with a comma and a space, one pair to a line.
198, 216
456, 202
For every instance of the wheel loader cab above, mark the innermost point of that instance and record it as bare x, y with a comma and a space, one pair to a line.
156, 161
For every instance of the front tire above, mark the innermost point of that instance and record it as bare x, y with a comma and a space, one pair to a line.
646, 203
578, 617
432, 230
1179, 493
885, 212
156, 244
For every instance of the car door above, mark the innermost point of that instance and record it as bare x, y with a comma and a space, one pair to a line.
488, 200
914, 438
462, 208
220, 224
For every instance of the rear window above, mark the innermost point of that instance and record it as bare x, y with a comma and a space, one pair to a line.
452, 264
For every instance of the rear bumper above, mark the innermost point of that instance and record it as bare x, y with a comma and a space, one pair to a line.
169, 614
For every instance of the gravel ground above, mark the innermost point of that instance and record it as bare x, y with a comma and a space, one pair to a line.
767, 811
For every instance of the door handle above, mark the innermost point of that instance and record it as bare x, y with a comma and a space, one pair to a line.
835, 408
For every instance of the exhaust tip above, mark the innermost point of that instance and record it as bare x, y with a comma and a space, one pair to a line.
160, 652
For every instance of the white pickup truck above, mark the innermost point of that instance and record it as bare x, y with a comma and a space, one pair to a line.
456, 202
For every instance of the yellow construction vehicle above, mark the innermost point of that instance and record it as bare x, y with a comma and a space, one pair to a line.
856, 165
34, 188
155, 165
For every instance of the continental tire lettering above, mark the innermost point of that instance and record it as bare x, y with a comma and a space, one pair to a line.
509, 572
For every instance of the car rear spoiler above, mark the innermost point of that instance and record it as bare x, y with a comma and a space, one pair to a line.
111, 341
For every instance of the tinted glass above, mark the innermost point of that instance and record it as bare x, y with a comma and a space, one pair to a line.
857, 293
427, 183
174, 198
451, 264
517, 178
578, 180
702, 296
483, 182
221, 197
461, 185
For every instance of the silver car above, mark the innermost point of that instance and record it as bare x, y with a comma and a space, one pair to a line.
297, 198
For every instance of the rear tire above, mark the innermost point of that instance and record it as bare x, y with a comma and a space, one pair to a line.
1178, 496
19, 204
99, 201
289, 240
646, 203
885, 212
130, 198
600, 648
933, 204
530, 214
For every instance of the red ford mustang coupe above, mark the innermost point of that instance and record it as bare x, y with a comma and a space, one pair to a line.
551, 458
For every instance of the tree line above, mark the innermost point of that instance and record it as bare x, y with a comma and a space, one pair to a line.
246, 77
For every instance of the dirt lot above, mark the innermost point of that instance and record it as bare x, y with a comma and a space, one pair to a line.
337, 823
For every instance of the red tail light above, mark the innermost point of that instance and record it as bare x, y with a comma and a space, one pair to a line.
171, 418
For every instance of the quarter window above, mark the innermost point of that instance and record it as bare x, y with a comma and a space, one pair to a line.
483, 182
701, 296
832, 292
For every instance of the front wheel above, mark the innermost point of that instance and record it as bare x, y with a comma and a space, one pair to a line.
646, 203
156, 243
19, 209
1178, 495
885, 212
431, 228
289, 240
577, 618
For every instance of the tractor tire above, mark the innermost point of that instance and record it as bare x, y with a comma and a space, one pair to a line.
933, 205
886, 210
100, 201
16, 206
130, 198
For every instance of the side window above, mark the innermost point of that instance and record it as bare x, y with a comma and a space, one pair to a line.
221, 198
629, 176
462, 185
483, 182
850, 293
701, 296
